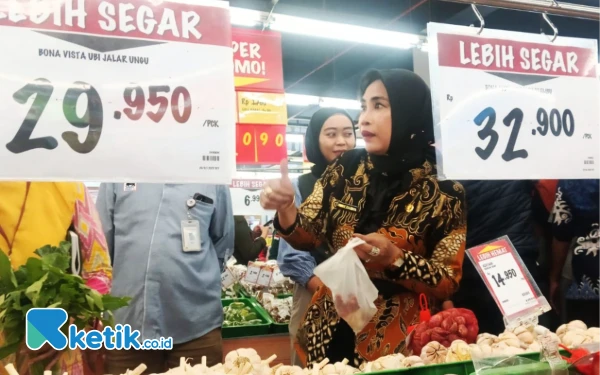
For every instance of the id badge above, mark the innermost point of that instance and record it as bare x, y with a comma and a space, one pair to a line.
190, 235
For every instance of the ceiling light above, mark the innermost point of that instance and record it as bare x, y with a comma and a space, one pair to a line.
308, 100
324, 29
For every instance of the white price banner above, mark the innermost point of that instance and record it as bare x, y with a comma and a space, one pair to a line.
227, 279
509, 283
247, 202
252, 274
510, 105
264, 277
117, 91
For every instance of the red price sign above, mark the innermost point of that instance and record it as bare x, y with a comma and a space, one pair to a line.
260, 144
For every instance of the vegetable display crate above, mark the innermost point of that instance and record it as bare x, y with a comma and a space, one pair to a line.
280, 327
261, 328
467, 368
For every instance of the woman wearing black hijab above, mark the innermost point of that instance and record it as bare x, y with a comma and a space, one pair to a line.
329, 134
414, 225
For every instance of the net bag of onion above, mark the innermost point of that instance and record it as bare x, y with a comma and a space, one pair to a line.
352, 290
446, 327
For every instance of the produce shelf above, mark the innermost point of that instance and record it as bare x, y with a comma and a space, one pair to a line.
467, 368
249, 330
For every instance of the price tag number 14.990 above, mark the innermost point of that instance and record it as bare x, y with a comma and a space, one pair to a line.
93, 118
555, 122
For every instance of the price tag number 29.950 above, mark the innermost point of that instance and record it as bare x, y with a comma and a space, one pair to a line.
554, 121
93, 118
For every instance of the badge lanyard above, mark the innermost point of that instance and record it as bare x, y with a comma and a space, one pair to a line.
190, 230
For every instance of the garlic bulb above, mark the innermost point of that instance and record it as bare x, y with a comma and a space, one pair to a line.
499, 348
480, 350
486, 338
593, 333
540, 330
328, 370
534, 347
434, 353
576, 338
237, 359
289, 370
458, 351
510, 339
342, 368
412, 361
575, 325
524, 335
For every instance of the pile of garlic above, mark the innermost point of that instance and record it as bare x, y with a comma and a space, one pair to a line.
576, 333
392, 362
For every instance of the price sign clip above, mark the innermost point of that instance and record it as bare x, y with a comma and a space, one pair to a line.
509, 282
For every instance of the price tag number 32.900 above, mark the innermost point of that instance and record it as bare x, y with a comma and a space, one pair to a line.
41, 89
555, 121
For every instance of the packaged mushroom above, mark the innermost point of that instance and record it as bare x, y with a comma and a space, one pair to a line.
280, 309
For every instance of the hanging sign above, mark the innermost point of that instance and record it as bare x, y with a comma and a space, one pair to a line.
261, 108
246, 201
257, 60
508, 280
504, 104
117, 91
260, 144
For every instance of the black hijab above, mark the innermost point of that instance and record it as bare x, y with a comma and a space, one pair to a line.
412, 121
311, 139
410, 143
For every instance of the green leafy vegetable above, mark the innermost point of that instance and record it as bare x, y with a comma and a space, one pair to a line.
46, 282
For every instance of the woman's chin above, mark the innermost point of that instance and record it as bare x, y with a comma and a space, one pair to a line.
375, 149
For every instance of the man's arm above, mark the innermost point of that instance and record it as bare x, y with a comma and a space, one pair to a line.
222, 231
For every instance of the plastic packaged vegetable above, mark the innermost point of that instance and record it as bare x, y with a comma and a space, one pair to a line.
352, 290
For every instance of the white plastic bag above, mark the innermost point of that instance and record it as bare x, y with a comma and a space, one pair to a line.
352, 289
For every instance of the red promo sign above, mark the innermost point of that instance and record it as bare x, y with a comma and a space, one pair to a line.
260, 144
257, 60
505, 278
501, 55
161, 21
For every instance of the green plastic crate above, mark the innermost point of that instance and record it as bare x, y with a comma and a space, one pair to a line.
252, 330
277, 327
456, 368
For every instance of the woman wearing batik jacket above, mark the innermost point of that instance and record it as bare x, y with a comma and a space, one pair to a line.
35, 214
388, 195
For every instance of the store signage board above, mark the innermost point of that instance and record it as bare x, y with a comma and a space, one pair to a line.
117, 91
260, 144
508, 280
247, 201
257, 61
510, 105
261, 108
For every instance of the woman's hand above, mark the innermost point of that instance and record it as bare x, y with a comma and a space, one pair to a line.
377, 250
279, 193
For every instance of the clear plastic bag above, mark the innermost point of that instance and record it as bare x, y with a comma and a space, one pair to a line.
353, 291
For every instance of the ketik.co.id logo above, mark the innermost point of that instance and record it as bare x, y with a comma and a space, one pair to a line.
44, 325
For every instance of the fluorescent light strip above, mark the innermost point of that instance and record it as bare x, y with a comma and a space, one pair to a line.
325, 29
308, 100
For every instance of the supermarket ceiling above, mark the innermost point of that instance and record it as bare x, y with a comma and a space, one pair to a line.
332, 68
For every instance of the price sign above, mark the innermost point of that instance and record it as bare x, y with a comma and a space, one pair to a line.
261, 108
507, 280
277, 276
117, 91
503, 104
264, 278
227, 279
260, 144
252, 274
247, 202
